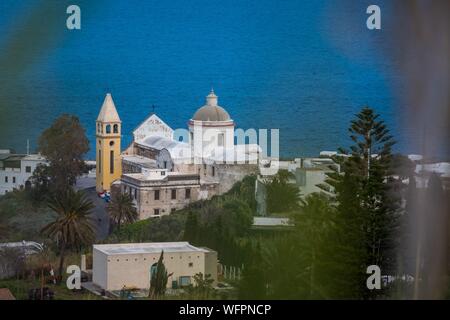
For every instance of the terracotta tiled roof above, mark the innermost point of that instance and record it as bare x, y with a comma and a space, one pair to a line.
5, 294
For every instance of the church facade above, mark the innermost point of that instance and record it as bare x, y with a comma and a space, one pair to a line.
163, 169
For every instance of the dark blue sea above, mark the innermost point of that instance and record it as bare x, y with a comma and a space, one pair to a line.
305, 67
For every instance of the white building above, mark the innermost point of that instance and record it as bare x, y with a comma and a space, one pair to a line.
165, 169
130, 265
308, 174
16, 170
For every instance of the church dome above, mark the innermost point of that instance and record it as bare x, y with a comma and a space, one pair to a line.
211, 111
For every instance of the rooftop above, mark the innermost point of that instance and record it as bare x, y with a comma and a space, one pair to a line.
149, 247
16, 157
270, 222
5, 294
144, 161
34, 157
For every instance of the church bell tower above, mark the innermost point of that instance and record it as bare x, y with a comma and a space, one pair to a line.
108, 130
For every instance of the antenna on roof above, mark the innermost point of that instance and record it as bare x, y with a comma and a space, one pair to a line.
28, 146
153, 108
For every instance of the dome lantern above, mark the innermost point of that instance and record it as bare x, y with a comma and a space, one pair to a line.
211, 111
211, 99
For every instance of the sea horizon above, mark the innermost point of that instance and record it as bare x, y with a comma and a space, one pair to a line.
289, 66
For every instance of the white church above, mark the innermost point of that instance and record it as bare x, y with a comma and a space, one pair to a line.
165, 169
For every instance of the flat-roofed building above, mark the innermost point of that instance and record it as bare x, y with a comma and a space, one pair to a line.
158, 192
17, 169
131, 264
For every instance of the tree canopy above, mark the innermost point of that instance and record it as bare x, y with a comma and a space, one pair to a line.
73, 226
282, 195
64, 145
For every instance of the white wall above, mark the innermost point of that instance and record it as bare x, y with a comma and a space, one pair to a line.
133, 270
100, 269
21, 175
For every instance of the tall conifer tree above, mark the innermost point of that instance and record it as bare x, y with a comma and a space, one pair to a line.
367, 216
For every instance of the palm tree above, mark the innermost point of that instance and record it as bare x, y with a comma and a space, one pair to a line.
121, 209
73, 226
282, 196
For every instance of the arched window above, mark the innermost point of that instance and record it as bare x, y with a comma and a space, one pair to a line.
108, 128
116, 128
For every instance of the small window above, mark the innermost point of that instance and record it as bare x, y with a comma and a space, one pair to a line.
28, 169
163, 173
165, 164
116, 128
191, 264
220, 140
108, 128
213, 171
188, 193
156, 212
6, 179
156, 194
174, 194
14, 179
111, 143
185, 281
